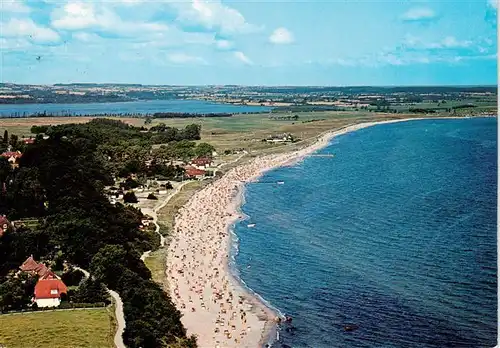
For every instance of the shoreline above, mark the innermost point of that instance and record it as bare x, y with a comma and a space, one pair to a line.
226, 207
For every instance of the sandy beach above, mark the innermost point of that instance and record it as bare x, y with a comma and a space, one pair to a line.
213, 304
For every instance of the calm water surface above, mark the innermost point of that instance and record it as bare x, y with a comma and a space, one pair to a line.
135, 107
395, 234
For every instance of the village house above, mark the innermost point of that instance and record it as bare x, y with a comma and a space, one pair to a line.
12, 157
34, 268
201, 163
195, 173
29, 141
4, 225
287, 137
49, 287
48, 292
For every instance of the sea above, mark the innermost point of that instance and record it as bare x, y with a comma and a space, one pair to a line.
390, 243
141, 107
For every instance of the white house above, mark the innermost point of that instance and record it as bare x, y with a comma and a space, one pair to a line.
48, 292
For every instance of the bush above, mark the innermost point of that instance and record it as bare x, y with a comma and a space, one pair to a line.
130, 197
152, 196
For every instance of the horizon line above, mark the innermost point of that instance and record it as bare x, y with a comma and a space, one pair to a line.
241, 85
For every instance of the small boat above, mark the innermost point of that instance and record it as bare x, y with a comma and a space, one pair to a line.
251, 225
280, 182
350, 327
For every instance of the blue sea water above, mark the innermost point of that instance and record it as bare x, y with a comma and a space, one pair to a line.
134, 107
396, 234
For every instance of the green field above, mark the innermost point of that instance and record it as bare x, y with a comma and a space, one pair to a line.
58, 329
245, 131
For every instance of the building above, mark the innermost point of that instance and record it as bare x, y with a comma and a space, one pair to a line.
4, 225
201, 163
48, 292
282, 138
196, 173
12, 157
29, 141
35, 268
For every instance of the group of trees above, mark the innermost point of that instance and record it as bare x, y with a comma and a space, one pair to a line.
188, 115
285, 118
124, 149
60, 181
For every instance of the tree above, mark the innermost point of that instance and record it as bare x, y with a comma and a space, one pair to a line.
204, 149
6, 137
152, 196
13, 140
91, 291
72, 277
192, 132
130, 197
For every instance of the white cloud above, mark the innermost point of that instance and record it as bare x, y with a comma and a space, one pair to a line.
14, 44
74, 16
223, 44
418, 14
14, 6
212, 15
242, 57
281, 36
493, 4
79, 15
28, 29
182, 58
452, 42
449, 42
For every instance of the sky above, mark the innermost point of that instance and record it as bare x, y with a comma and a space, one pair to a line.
249, 42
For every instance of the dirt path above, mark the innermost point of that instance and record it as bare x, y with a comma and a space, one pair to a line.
154, 215
120, 317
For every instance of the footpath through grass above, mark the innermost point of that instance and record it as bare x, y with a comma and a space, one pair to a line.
156, 262
58, 329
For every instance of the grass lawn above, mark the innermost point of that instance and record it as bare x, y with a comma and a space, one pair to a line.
167, 213
54, 329
157, 259
156, 262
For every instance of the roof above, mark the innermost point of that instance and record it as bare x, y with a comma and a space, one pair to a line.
49, 288
194, 172
3, 220
9, 154
29, 140
29, 265
201, 161
3, 223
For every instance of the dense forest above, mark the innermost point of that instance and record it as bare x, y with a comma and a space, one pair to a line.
129, 148
60, 182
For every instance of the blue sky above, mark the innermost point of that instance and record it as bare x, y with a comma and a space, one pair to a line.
337, 42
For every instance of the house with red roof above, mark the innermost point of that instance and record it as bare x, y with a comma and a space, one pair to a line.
48, 292
195, 173
4, 225
12, 157
201, 162
35, 268
28, 141
49, 287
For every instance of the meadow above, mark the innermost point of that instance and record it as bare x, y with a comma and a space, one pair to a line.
58, 329
240, 131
